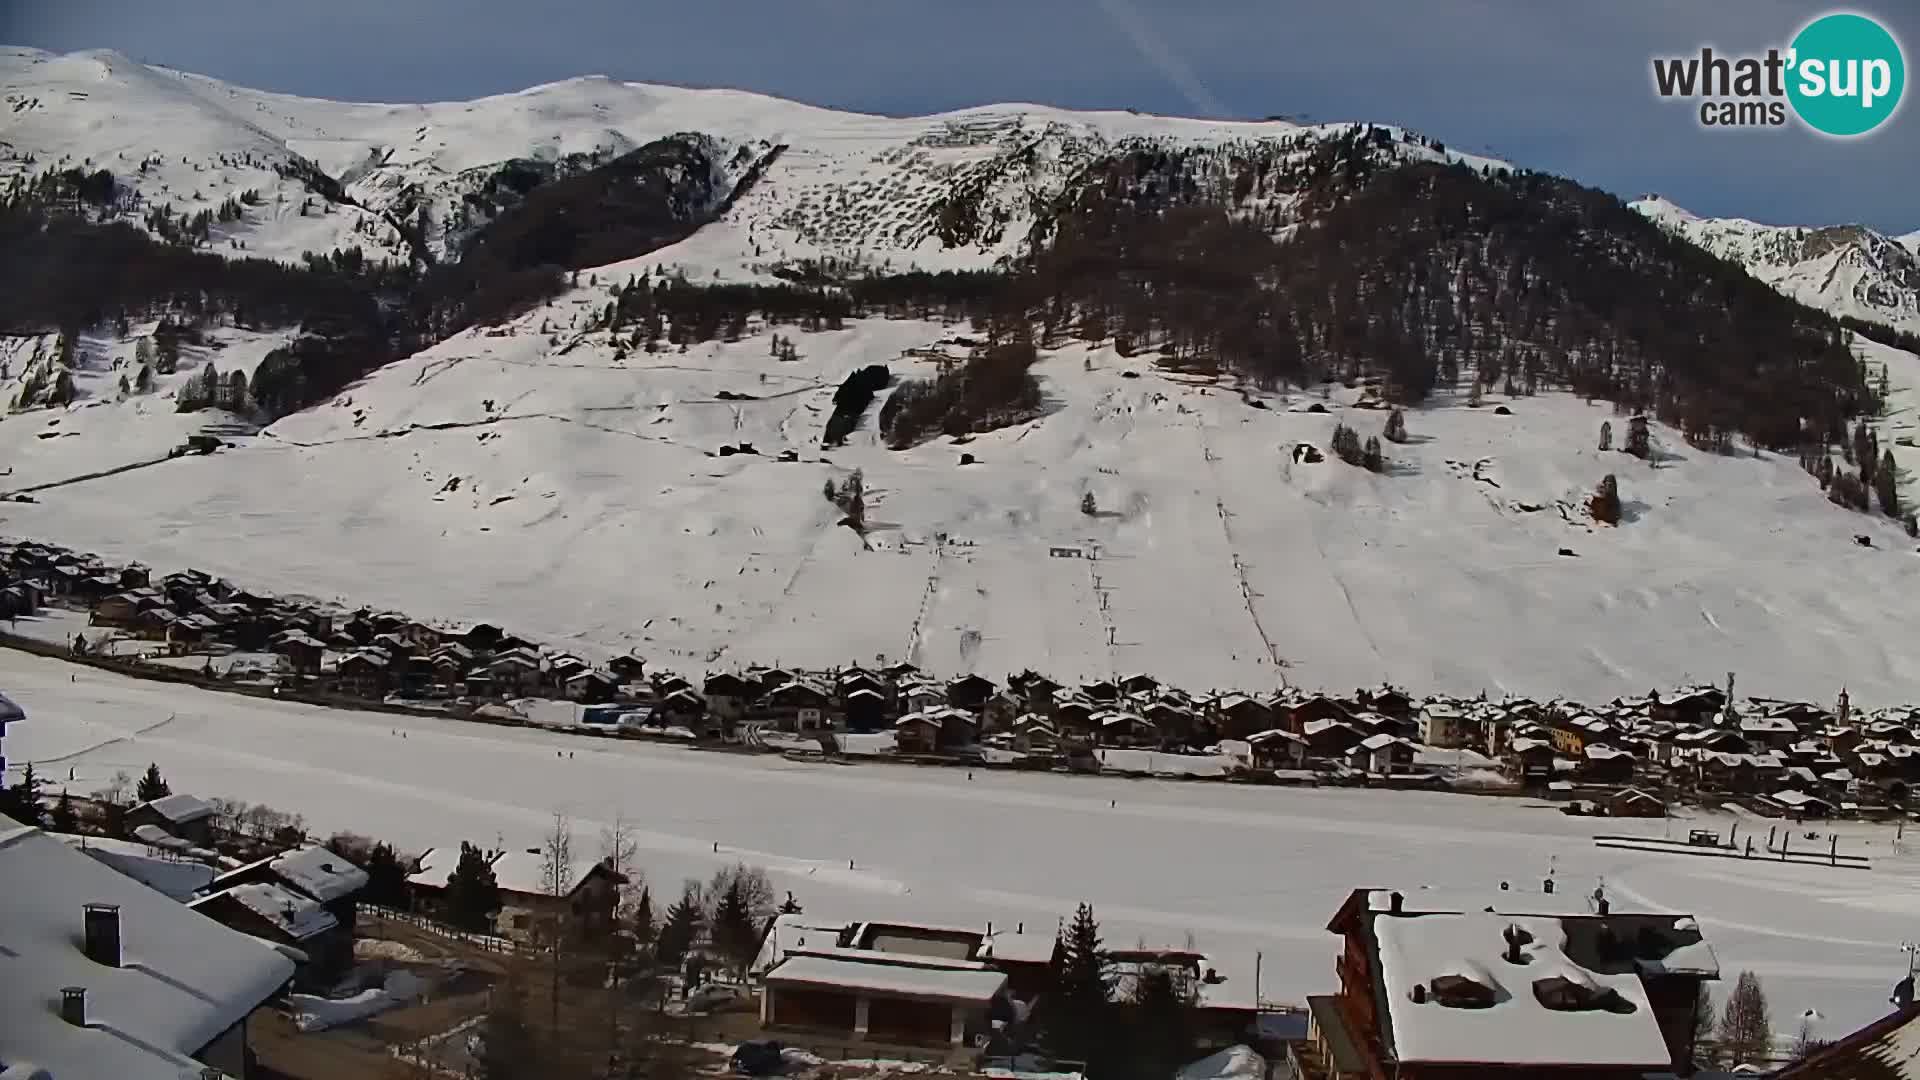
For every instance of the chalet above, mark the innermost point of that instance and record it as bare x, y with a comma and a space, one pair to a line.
917, 733
1032, 734
665, 683
1602, 764
628, 667
1118, 727
366, 673
564, 667
1072, 714
1100, 691
479, 684
803, 706
969, 692
728, 696
1038, 690
1513, 986
101, 976
860, 679
134, 576
528, 906
119, 611
1331, 740
919, 697
1316, 708
999, 711
1769, 732
900, 671
1174, 722
959, 728
1139, 684
515, 673
393, 645
1798, 804
1634, 803
418, 635
1389, 701
450, 663
683, 707
179, 815
767, 680
1530, 758
1241, 717
590, 685
277, 914
1382, 755
1688, 708
1278, 748
866, 709
302, 651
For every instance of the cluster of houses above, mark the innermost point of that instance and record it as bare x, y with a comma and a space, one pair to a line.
1786, 757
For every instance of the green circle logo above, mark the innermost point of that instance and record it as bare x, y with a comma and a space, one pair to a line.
1847, 74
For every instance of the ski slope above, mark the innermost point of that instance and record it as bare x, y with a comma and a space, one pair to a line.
581, 499
1241, 870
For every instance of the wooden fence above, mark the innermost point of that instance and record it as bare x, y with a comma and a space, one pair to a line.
483, 942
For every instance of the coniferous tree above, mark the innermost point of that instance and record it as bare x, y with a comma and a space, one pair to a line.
22, 801
734, 933
1078, 1015
1606, 435
1396, 431
1746, 1030
641, 923
473, 893
386, 877
151, 785
1371, 458
64, 819
1886, 485
680, 927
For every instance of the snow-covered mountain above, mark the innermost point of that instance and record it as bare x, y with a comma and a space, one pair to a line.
1845, 269
552, 476
830, 184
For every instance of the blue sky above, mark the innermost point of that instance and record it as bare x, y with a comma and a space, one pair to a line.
1546, 83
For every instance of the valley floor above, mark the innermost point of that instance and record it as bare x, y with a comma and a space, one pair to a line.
1244, 871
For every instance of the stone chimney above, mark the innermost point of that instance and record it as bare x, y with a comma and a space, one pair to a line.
73, 1005
102, 943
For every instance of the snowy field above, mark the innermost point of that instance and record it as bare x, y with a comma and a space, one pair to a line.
577, 497
1239, 869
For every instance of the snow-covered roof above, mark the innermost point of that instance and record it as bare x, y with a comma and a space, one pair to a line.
10, 713
295, 915
176, 878
155, 836
319, 873
183, 979
180, 808
1517, 1027
1018, 948
1887, 1049
973, 986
